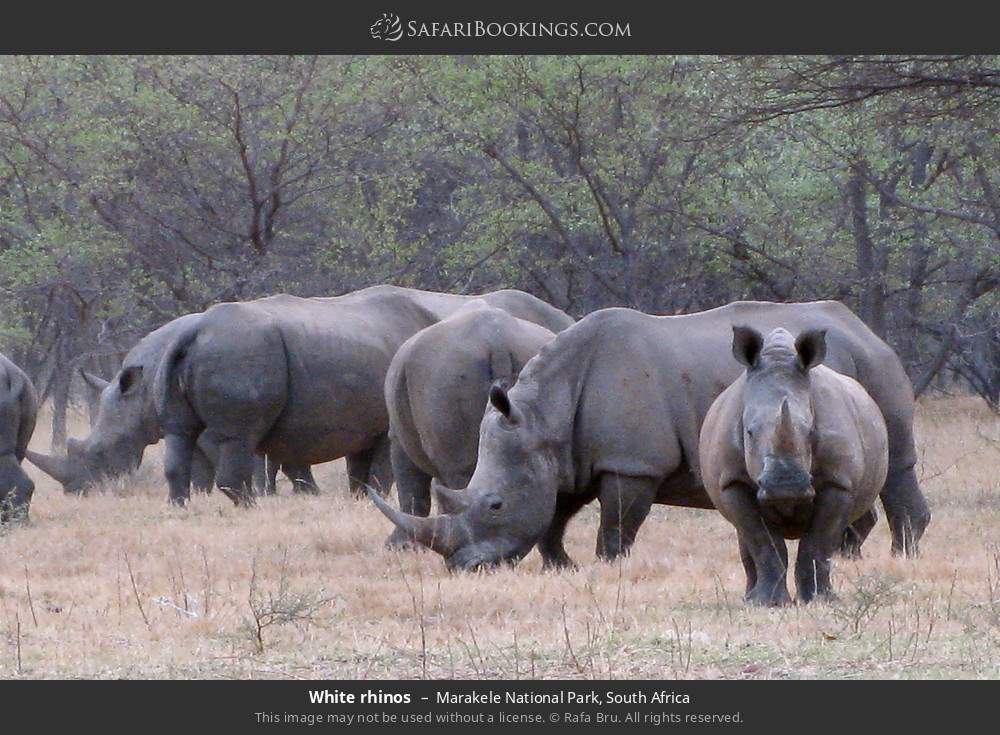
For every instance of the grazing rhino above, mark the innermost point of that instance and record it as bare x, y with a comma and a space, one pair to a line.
791, 450
18, 410
299, 379
126, 423
436, 391
612, 408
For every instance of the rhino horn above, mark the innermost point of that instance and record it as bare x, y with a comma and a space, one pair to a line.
786, 430
448, 500
55, 467
443, 534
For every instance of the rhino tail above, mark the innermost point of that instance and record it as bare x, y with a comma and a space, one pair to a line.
167, 385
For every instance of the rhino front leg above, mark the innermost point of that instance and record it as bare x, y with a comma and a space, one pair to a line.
748, 567
550, 546
625, 503
818, 545
763, 551
769, 554
413, 487
177, 466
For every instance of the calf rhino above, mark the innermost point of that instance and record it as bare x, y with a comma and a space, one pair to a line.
18, 410
791, 450
436, 391
126, 423
612, 408
298, 379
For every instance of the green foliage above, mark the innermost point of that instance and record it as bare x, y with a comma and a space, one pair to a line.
134, 189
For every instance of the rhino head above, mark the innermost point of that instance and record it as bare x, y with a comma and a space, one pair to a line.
510, 500
777, 420
120, 432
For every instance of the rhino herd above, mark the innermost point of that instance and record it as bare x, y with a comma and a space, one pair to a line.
789, 419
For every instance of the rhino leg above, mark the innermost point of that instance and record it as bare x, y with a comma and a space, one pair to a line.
301, 477
380, 475
762, 549
413, 487
234, 470
358, 467
202, 471
906, 511
769, 556
625, 503
812, 565
748, 566
372, 466
856, 533
177, 466
550, 546
16, 501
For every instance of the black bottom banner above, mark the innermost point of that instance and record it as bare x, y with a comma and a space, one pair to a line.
703, 706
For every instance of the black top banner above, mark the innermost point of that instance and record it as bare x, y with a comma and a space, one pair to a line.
396, 27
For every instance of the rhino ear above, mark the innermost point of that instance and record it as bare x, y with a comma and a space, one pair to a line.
129, 378
499, 399
811, 347
747, 343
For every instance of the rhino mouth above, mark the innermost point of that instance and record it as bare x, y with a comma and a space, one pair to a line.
483, 557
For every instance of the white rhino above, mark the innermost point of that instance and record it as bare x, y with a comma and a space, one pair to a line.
436, 391
791, 450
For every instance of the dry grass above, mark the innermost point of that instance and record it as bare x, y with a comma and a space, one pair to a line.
121, 585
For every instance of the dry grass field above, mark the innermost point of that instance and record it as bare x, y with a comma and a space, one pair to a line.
118, 584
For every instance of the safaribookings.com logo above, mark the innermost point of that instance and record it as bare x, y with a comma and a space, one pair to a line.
390, 28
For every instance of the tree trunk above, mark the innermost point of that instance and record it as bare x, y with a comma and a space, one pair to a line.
870, 261
60, 404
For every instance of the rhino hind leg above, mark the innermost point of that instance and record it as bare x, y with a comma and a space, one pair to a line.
906, 510
234, 471
301, 477
177, 466
370, 467
202, 472
856, 533
625, 503
551, 546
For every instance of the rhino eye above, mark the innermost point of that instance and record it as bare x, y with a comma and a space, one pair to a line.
496, 505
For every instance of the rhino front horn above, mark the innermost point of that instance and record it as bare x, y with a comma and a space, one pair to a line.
55, 467
443, 534
448, 500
